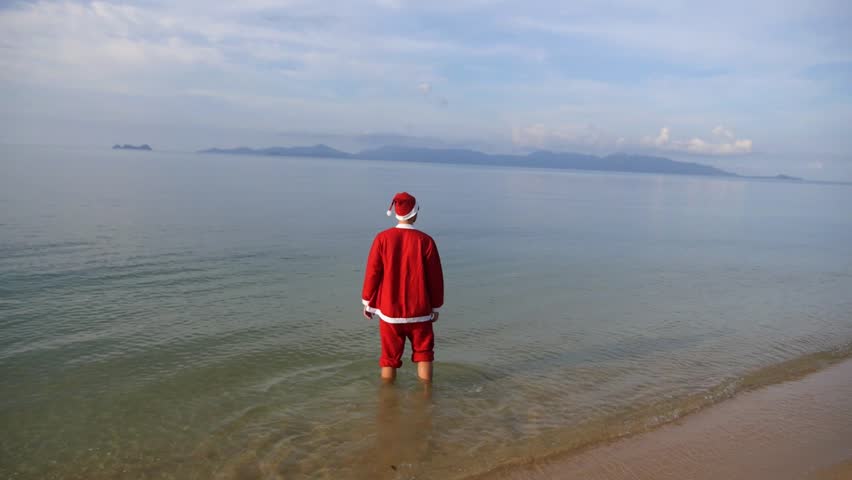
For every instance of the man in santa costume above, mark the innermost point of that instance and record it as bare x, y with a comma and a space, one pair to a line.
404, 287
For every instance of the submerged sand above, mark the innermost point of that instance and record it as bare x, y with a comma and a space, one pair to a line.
800, 429
841, 471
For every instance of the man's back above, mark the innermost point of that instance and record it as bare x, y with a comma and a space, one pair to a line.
404, 280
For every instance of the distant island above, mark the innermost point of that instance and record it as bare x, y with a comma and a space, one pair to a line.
131, 147
323, 151
617, 162
780, 177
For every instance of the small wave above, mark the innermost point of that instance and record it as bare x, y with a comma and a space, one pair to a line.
24, 250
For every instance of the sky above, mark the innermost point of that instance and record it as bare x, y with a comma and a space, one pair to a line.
756, 87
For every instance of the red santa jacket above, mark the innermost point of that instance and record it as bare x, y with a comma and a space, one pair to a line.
404, 282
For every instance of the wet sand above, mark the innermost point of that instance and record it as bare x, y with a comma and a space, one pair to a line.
841, 471
800, 429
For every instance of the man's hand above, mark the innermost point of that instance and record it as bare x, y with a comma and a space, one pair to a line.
435, 316
367, 314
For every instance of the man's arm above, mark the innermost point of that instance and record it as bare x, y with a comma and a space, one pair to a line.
435, 279
372, 275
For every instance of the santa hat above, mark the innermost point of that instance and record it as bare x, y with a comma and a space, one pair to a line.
406, 206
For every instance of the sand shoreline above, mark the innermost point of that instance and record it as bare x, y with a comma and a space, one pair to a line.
840, 471
800, 428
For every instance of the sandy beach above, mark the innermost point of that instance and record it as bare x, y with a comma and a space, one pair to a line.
841, 471
800, 429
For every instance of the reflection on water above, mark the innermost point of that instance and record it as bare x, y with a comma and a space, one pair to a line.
183, 316
403, 445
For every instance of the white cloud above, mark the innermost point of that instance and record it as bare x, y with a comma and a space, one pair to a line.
591, 137
696, 33
48, 41
564, 136
661, 140
70, 44
726, 144
425, 89
721, 131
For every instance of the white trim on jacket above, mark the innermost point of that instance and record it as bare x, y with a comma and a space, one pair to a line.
388, 319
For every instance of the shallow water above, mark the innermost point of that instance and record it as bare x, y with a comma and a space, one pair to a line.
169, 315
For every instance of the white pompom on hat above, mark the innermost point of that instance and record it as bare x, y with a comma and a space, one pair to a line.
405, 206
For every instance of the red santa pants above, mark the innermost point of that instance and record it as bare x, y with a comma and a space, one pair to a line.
393, 337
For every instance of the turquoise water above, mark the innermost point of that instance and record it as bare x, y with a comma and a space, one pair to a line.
171, 315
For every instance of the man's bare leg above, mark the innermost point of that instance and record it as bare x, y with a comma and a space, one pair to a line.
424, 371
388, 374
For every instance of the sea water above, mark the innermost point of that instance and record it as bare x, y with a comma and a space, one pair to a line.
177, 315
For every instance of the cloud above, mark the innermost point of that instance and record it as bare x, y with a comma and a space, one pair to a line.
662, 140
591, 137
721, 131
697, 33
95, 46
425, 89
564, 136
726, 143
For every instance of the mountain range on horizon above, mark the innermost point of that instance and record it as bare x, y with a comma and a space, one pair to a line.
616, 162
